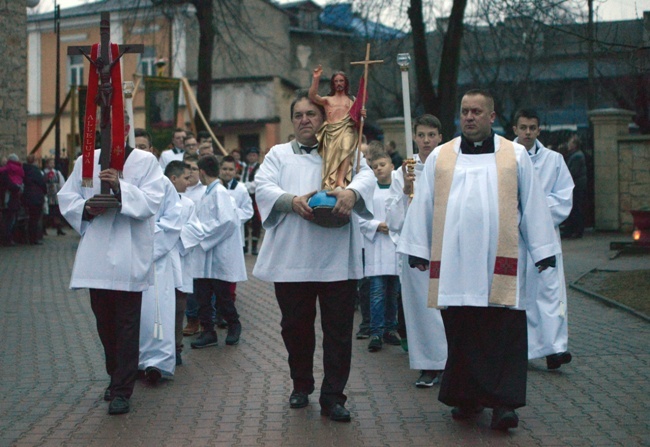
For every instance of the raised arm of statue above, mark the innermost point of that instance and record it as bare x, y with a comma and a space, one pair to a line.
313, 89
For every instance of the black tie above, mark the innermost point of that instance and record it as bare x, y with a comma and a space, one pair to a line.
308, 149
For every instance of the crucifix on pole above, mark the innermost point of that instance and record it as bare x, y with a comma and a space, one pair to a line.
366, 62
102, 79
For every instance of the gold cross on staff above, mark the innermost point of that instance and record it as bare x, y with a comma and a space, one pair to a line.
366, 62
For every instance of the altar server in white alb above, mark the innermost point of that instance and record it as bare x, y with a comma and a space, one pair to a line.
427, 343
218, 261
179, 174
237, 190
157, 320
546, 299
115, 258
307, 262
477, 212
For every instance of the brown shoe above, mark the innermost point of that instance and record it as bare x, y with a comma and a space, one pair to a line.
192, 327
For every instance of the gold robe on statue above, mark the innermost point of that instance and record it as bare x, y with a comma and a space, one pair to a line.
336, 142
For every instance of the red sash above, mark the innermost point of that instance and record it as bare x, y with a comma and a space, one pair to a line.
90, 120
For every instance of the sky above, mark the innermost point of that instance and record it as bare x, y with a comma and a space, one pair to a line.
606, 9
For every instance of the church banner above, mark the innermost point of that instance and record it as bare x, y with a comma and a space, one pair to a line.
161, 109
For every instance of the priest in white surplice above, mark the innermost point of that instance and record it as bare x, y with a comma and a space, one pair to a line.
427, 343
546, 300
115, 258
477, 211
308, 262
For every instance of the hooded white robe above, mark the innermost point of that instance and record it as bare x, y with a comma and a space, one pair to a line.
296, 250
425, 330
546, 299
116, 248
157, 319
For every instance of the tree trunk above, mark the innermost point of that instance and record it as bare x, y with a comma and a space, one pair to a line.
205, 17
421, 57
449, 67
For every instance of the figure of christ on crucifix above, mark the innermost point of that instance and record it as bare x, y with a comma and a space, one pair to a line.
105, 91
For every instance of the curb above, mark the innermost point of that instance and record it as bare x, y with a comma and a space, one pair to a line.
608, 301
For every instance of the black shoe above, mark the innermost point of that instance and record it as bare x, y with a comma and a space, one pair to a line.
179, 359
391, 338
119, 405
504, 418
363, 334
466, 412
375, 344
298, 399
221, 323
554, 361
152, 374
205, 339
60, 232
427, 379
108, 395
234, 331
336, 413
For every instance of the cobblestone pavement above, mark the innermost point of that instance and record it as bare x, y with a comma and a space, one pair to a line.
52, 376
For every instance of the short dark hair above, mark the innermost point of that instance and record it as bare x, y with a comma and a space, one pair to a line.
229, 159
210, 165
140, 132
203, 134
190, 157
530, 114
427, 120
176, 168
304, 94
482, 92
376, 149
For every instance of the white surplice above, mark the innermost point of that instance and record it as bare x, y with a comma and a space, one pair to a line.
243, 204
157, 319
471, 225
380, 251
195, 192
546, 299
219, 254
191, 234
168, 156
116, 248
323, 254
425, 330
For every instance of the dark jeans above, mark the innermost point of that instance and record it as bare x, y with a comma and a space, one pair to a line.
181, 302
204, 288
297, 303
34, 232
118, 324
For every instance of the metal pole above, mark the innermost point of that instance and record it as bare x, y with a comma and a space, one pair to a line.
57, 91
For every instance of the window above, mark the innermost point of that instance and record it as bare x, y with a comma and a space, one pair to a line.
148, 62
76, 69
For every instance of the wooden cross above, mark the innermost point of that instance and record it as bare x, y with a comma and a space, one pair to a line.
366, 62
105, 92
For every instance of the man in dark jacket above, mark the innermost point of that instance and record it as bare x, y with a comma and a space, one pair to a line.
33, 199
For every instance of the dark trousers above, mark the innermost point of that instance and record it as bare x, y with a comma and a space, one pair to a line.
254, 224
222, 290
181, 303
298, 306
487, 363
118, 324
35, 214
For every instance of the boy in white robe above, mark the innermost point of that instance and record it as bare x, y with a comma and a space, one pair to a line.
157, 353
195, 190
157, 322
218, 260
485, 321
380, 261
115, 258
427, 343
310, 263
546, 299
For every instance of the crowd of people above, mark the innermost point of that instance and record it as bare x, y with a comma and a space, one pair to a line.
454, 256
